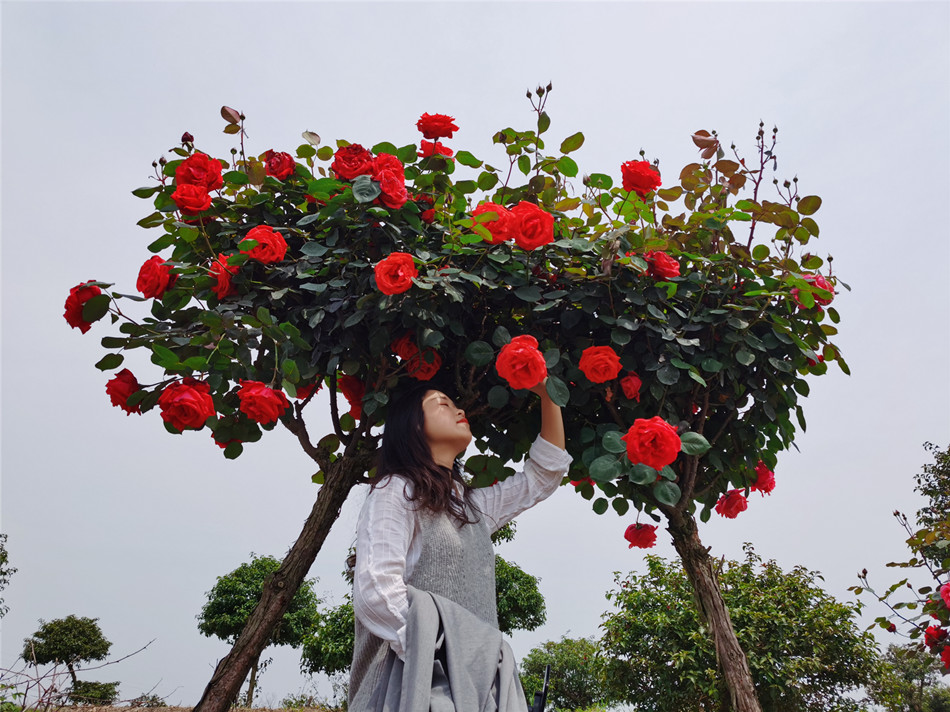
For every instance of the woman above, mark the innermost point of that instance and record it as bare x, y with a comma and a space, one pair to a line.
423, 526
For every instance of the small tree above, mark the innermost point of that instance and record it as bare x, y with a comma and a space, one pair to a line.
577, 673
70, 641
804, 649
6, 571
911, 682
233, 599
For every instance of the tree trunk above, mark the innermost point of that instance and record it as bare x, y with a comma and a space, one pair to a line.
251, 684
232, 670
700, 569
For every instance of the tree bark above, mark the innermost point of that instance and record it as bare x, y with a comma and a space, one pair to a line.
279, 590
700, 569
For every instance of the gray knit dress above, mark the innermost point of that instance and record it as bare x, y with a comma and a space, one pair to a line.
456, 562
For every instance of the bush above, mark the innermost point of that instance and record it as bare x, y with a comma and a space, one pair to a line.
94, 693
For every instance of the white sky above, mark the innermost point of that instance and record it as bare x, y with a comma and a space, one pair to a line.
109, 516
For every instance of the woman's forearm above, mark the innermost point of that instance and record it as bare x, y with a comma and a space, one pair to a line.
552, 424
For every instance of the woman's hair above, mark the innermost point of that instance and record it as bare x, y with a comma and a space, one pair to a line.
406, 452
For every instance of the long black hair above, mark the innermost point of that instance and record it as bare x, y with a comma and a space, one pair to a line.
405, 452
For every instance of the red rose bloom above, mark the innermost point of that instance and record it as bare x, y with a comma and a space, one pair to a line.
394, 274
304, 391
200, 170
631, 384
222, 271
764, 479
423, 365
662, 266
353, 390
191, 199
154, 278
639, 177
389, 171
261, 403
427, 148
404, 347
945, 657
504, 226
120, 387
186, 404
933, 636
435, 126
731, 503
351, 161
600, 364
520, 363
642, 536
945, 594
816, 280
428, 216
279, 165
535, 226
652, 442
78, 296
271, 246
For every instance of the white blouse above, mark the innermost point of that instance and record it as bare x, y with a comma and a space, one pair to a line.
388, 548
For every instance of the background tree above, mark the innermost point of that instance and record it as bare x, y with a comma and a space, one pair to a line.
911, 682
926, 614
804, 649
6, 571
69, 641
234, 597
285, 274
577, 679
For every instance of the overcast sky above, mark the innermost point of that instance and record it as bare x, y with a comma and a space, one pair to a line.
109, 516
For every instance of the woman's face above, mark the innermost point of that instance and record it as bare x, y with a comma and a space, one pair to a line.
446, 429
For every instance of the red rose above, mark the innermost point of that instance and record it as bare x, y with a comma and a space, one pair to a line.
120, 387
662, 266
933, 636
271, 246
520, 363
600, 364
423, 365
436, 126
404, 347
945, 594
639, 177
353, 390
186, 404
945, 657
764, 479
394, 274
642, 536
78, 296
816, 280
428, 216
427, 148
631, 386
261, 403
304, 391
535, 226
389, 171
279, 165
891, 628
154, 278
731, 503
200, 170
503, 226
191, 199
813, 362
222, 271
351, 161
652, 442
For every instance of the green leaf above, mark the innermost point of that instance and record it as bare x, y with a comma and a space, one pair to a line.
110, 361
760, 252
544, 122
233, 450
164, 357
486, 180
572, 142
95, 308
146, 192
612, 442
641, 474
153, 220
479, 353
745, 357
694, 444
668, 374
467, 159
290, 370
501, 336
620, 505
809, 205
668, 473
196, 363
604, 468
384, 147
236, 178
325, 153
666, 492
365, 189
498, 396
600, 505
529, 294
524, 164
712, 365
600, 181
567, 166
558, 391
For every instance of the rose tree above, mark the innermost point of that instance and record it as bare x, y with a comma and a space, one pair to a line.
677, 325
